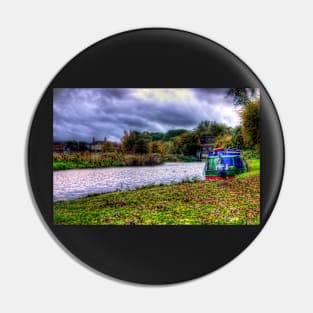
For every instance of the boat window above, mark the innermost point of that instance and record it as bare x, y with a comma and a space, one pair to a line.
238, 163
211, 164
227, 161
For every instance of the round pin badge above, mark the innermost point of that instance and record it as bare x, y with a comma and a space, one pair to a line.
155, 156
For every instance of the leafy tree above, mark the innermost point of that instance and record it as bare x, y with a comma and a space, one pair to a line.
168, 147
251, 125
128, 141
135, 142
223, 141
177, 145
208, 128
141, 145
237, 138
189, 143
108, 146
72, 145
241, 96
218, 129
173, 133
156, 147
81, 146
156, 136
203, 127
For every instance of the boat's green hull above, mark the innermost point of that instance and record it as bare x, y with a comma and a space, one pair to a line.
215, 175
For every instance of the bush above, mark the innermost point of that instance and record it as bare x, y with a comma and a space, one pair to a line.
142, 159
86, 160
250, 154
169, 158
187, 158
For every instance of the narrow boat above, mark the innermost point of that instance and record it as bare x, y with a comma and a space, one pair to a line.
223, 164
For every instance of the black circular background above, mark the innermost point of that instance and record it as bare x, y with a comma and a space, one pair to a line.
155, 58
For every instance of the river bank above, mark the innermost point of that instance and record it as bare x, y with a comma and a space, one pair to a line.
229, 202
79, 160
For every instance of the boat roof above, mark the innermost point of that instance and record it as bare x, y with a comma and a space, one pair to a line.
219, 152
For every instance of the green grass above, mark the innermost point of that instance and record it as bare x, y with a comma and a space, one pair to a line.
67, 165
79, 160
229, 202
253, 169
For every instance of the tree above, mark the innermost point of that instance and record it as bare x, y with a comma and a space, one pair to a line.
108, 146
241, 96
249, 101
156, 136
218, 129
82, 146
223, 141
237, 138
72, 145
156, 147
177, 145
141, 146
190, 143
203, 127
168, 147
135, 142
173, 133
251, 124
208, 128
128, 141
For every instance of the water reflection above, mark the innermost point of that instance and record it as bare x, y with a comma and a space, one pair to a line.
72, 184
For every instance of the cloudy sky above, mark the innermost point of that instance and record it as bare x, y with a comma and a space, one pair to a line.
84, 113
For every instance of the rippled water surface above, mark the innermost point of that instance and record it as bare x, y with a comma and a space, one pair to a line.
72, 184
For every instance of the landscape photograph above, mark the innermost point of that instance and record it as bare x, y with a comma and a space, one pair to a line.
156, 156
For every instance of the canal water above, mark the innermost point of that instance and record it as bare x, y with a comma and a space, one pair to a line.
72, 184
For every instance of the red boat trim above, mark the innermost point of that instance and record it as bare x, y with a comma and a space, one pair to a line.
218, 177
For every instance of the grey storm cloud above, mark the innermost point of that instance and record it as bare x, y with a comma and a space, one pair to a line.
86, 113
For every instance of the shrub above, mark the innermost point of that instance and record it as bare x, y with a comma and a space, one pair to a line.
250, 154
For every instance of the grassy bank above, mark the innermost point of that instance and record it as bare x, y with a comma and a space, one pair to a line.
78, 160
232, 202
100, 160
